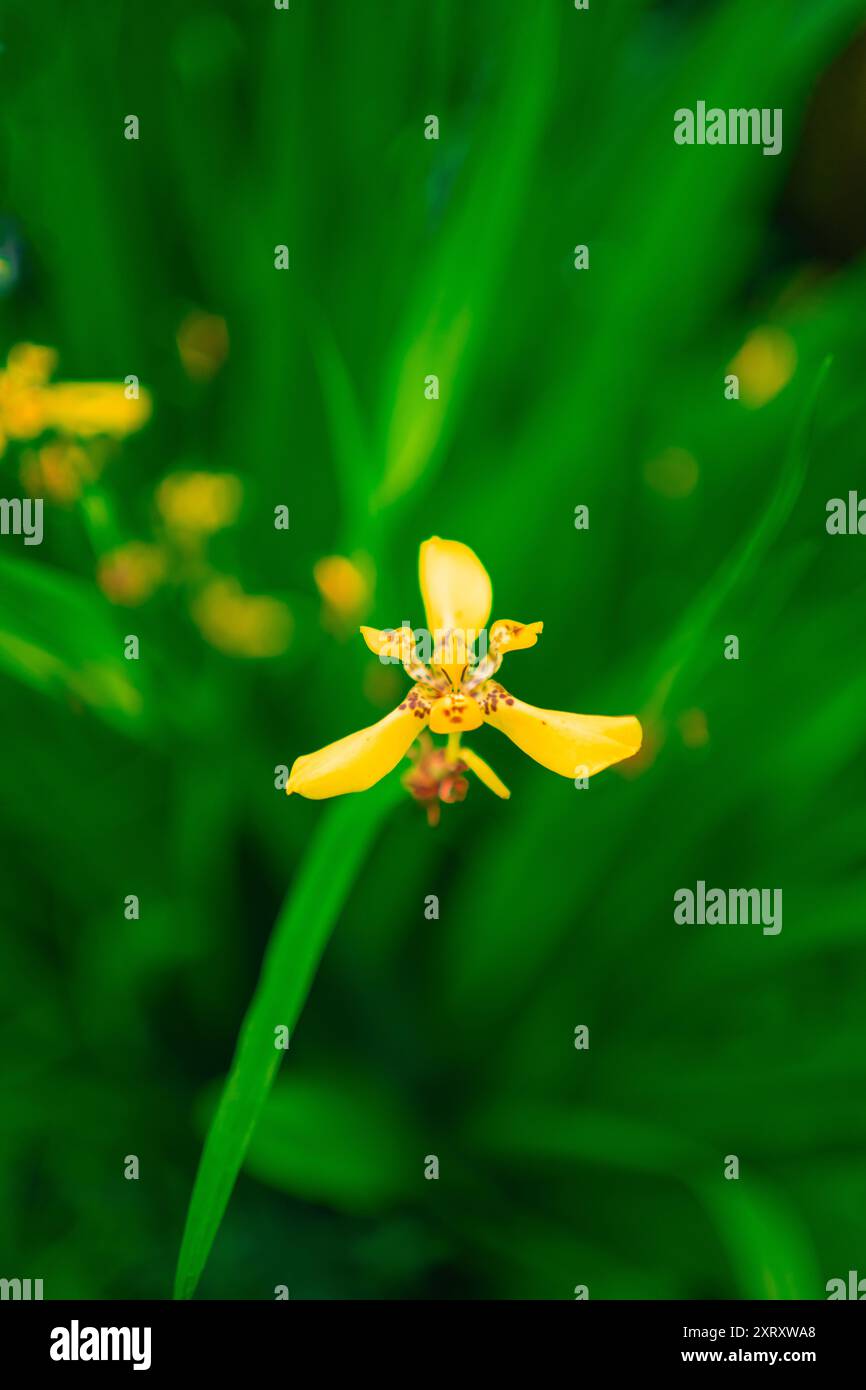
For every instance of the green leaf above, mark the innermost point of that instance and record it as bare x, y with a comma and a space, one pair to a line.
742, 563
342, 1142
769, 1249
58, 635
345, 833
348, 431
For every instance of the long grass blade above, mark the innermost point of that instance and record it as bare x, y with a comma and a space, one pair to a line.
300, 936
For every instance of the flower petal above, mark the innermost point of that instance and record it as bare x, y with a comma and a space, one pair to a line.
574, 745
398, 644
86, 408
508, 636
393, 642
484, 773
455, 587
455, 714
357, 762
505, 636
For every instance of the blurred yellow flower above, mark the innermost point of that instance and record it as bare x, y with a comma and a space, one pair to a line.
346, 585
241, 624
203, 344
454, 694
673, 473
29, 364
86, 408
130, 574
30, 403
764, 364
58, 471
692, 724
22, 391
199, 502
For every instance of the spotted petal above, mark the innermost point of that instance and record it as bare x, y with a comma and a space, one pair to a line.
506, 636
398, 644
357, 762
509, 636
574, 745
455, 713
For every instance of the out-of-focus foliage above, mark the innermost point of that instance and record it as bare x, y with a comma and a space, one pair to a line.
305, 389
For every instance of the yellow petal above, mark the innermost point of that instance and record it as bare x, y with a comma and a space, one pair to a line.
198, 501
484, 773
345, 584
455, 714
398, 644
31, 364
394, 642
357, 762
455, 587
574, 745
95, 407
240, 624
203, 344
508, 636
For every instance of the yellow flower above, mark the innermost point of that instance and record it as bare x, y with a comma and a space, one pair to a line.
199, 502
692, 724
27, 364
764, 364
130, 574
86, 408
30, 403
203, 344
673, 473
456, 693
239, 624
58, 470
345, 585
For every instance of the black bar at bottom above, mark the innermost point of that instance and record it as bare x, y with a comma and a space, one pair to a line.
159, 1339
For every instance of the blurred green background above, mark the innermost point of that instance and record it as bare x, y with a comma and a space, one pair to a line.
305, 388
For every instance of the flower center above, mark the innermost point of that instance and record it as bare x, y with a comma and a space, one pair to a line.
455, 712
